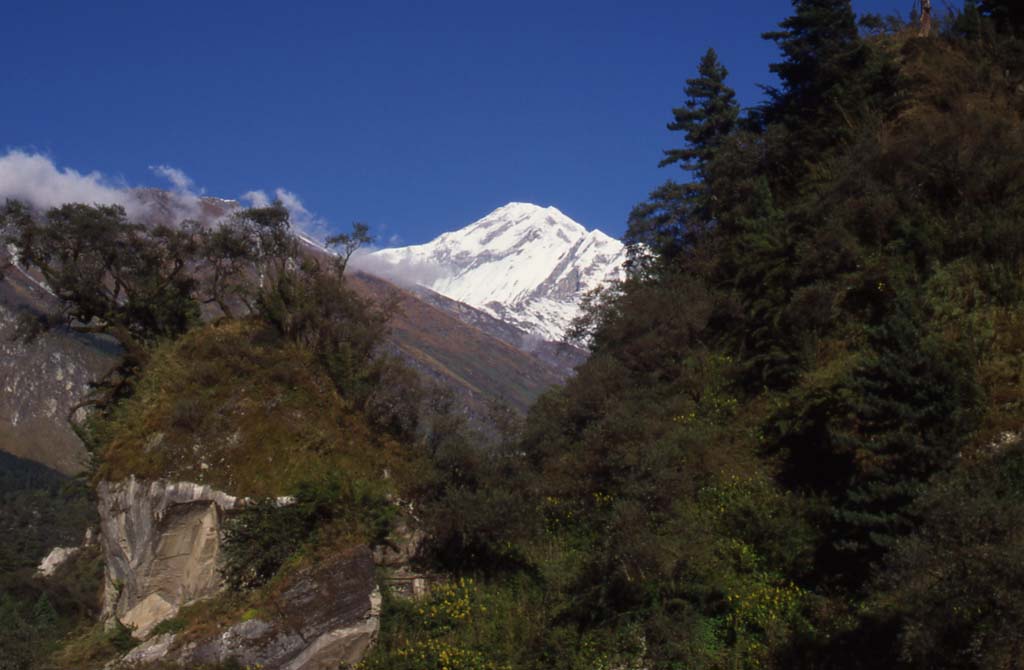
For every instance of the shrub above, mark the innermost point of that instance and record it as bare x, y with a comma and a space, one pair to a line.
261, 537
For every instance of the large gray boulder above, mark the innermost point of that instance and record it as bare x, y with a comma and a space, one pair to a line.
327, 617
161, 545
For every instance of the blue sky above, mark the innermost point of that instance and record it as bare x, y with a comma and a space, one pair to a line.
416, 117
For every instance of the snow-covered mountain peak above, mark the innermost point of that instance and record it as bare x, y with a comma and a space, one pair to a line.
517, 223
522, 263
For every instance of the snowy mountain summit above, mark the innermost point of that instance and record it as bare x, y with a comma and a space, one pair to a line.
524, 264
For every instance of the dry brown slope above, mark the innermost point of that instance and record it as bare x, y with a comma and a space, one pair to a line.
439, 344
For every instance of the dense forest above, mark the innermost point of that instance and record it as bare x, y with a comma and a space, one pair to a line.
797, 440
41, 509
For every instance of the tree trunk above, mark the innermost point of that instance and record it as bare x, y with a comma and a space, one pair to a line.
926, 18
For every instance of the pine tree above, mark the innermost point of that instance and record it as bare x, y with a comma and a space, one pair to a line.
968, 21
675, 214
16, 640
44, 616
819, 44
912, 406
1008, 15
708, 115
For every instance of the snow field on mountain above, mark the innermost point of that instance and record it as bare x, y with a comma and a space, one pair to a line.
522, 263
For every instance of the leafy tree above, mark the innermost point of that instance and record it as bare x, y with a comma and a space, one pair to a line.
953, 587
302, 294
347, 244
229, 252
109, 275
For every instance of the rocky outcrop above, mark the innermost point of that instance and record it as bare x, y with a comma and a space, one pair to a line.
43, 379
396, 559
57, 557
327, 617
161, 543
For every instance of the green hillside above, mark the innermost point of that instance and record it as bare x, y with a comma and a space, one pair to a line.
796, 443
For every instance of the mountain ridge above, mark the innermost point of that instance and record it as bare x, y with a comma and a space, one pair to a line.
524, 264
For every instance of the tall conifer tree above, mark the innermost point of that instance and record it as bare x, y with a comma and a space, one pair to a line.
669, 220
818, 44
708, 115
1008, 15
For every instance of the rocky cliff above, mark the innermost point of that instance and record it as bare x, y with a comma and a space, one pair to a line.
42, 380
162, 547
328, 617
161, 543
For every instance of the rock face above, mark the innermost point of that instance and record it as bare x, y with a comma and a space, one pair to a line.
41, 380
328, 617
53, 560
161, 543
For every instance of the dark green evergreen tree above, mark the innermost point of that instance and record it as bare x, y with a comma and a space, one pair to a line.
16, 637
1008, 15
968, 22
708, 115
44, 616
819, 45
676, 213
913, 405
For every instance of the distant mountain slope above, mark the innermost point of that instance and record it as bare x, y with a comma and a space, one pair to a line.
43, 380
466, 358
523, 264
563, 357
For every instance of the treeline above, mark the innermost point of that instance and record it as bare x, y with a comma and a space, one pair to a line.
41, 509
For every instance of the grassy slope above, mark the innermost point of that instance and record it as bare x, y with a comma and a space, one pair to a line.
469, 358
230, 406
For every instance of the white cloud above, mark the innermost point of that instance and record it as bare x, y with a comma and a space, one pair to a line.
35, 179
184, 199
302, 219
404, 273
255, 198
181, 181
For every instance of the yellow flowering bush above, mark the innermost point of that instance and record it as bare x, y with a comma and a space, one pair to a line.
435, 640
439, 654
448, 605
